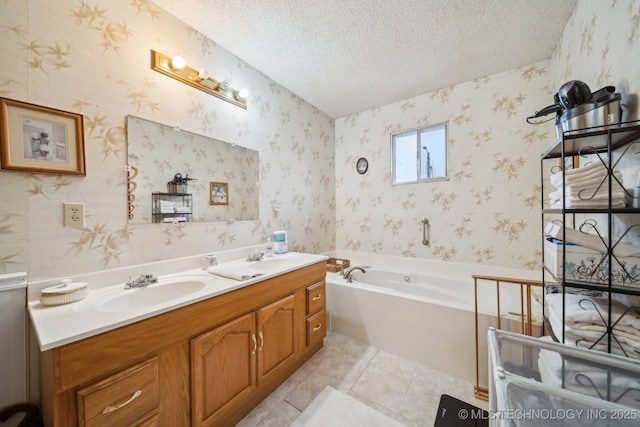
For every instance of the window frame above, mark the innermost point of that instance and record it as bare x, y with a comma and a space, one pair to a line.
418, 131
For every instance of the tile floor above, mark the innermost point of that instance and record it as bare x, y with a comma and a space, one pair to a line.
402, 389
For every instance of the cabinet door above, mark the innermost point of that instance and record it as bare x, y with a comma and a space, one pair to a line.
276, 337
223, 370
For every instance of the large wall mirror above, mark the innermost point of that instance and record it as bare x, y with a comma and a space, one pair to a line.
222, 184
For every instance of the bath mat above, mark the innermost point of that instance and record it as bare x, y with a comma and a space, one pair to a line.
336, 409
453, 412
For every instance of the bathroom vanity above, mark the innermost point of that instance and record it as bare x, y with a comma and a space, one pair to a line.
205, 363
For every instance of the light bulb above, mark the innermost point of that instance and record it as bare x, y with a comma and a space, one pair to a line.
203, 73
243, 93
178, 62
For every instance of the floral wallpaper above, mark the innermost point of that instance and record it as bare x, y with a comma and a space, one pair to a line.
93, 57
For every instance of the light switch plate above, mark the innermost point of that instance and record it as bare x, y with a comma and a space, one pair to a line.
73, 215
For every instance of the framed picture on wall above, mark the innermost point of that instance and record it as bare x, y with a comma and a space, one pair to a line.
40, 139
218, 193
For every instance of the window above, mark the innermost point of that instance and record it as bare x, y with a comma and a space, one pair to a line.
419, 155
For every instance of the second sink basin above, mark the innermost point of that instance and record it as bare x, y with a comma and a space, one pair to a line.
158, 293
278, 262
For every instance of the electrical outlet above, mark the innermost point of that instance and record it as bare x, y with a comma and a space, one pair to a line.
73, 215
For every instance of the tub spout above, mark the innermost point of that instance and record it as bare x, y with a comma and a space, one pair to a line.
349, 271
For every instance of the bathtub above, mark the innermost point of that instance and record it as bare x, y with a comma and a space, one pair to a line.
422, 310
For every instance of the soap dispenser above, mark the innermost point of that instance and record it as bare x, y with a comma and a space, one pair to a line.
269, 251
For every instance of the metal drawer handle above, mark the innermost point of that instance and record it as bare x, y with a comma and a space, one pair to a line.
317, 328
316, 298
255, 343
261, 340
113, 408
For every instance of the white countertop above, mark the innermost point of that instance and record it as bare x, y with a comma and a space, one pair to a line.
64, 324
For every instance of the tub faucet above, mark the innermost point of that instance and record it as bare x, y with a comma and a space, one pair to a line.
349, 271
141, 282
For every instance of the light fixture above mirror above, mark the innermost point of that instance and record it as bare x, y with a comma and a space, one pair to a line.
177, 68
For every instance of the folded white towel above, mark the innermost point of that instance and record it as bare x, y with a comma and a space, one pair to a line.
597, 169
586, 378
594, 336
587, 204
588, 194
176, 219
598, 186
235, 272
595, 183
582, 308
581, 340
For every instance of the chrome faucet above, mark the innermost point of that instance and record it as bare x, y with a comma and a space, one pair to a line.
141, 282
349, 271
257, 256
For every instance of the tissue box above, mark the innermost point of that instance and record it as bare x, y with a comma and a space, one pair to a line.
589, 265
590, 240
280, 245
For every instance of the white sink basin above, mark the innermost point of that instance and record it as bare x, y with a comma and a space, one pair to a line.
158, 293
278, 262
271, 264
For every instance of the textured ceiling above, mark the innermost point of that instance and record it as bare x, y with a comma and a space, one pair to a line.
348, 56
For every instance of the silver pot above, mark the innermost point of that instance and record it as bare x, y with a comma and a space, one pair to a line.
604, 113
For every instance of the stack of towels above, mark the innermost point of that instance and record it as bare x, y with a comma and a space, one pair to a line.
585, 320
588, 378
587, 187
166, 207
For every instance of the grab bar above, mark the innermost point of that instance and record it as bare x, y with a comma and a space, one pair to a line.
425, 231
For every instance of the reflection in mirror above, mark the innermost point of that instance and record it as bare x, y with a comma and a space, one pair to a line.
157, 153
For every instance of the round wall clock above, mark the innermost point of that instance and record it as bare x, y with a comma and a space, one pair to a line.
362, 165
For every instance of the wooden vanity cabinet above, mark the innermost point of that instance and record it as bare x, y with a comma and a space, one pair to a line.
209, 363
231, 361
316, 314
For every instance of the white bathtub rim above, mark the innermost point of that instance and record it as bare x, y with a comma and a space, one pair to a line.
433, 269
335, 279
437, 268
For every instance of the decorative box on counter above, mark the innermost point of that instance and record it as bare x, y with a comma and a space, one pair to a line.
336, 264
589, 265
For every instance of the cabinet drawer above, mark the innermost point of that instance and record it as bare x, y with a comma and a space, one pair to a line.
121, 399
316, 327
315, 297
152, 421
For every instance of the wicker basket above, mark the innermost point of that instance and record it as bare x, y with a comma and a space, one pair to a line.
335, 264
